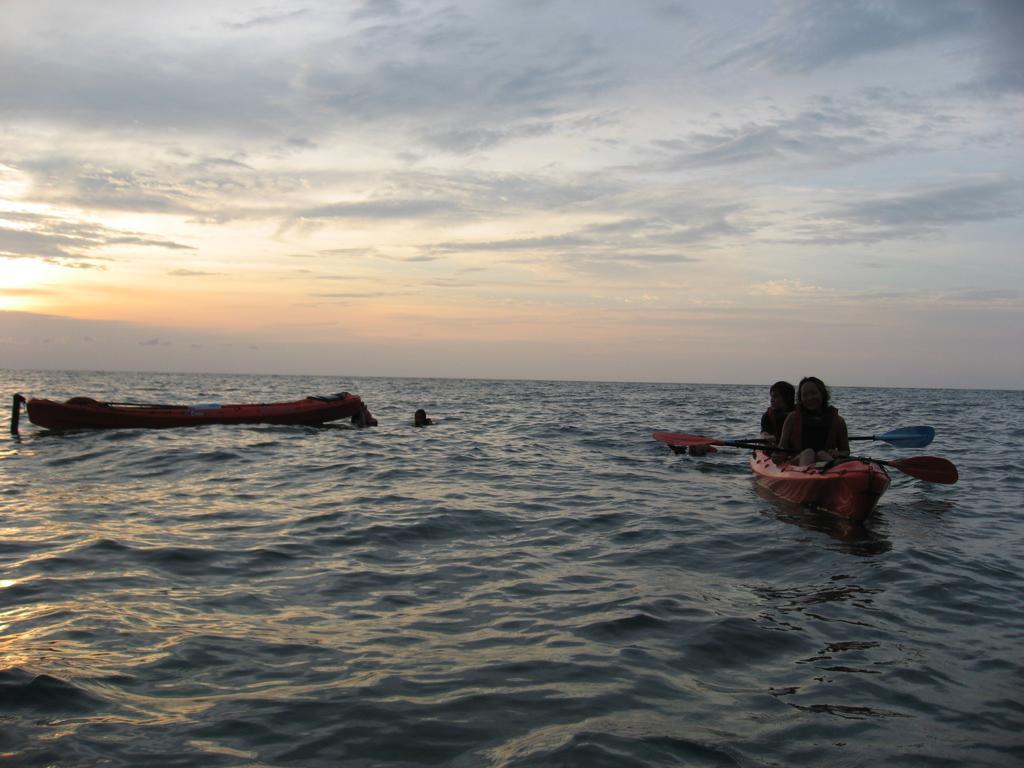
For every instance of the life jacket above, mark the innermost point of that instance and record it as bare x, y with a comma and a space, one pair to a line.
774, 419
804, 435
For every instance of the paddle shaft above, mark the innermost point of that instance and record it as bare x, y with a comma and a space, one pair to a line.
902, 437
932, 469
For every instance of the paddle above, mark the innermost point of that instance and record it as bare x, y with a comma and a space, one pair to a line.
678, 438
904, 437
932, 469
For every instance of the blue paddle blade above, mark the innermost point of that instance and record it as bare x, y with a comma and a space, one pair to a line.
908, 437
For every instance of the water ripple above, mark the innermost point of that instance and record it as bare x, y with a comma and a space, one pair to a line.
532, 581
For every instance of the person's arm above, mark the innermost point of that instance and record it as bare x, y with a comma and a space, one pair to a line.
786, 440
784, 451
843, 438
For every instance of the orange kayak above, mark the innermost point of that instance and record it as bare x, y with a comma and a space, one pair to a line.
849, 488
86, 413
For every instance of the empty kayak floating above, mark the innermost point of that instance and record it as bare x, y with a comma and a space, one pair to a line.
87, 413
849, 488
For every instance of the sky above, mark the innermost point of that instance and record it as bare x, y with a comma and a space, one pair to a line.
659, 190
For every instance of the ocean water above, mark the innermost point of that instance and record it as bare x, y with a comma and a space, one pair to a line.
532, 581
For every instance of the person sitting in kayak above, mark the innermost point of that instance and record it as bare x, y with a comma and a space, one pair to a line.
420, 419
814, 431
783, 395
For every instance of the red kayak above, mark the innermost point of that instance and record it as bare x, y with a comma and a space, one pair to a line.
86, 413
849, 488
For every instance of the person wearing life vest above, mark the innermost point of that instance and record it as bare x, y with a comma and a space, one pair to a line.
814, 431
782, 395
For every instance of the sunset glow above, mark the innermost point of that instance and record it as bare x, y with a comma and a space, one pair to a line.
673, 188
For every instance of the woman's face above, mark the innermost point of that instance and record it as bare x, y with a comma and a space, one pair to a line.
810, 396
778, 402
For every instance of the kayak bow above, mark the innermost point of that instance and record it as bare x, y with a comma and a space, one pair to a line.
849, 488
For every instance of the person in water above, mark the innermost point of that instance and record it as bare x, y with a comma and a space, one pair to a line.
814, 431
783, 401
363, 418
420, 419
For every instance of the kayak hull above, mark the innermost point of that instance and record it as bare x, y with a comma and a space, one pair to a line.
85, 413
850, 488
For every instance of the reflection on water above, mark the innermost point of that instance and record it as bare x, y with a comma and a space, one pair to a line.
852, 713
856, 538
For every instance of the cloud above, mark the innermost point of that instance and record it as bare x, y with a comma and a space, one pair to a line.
940, 206
514, 244
786, 288
672, 9
194, 187
26, 292
370, 253
348, 254
460, 195
787, 291
637, 241
268, 20
68, 242
373, 9
1002, 50
193, 273
301, 75
467, 140
811, 35
219, 190
380, 209
921, 212
831, 133
23, 243
993, 297
520, 91
925, 211
353, 295
120, 86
